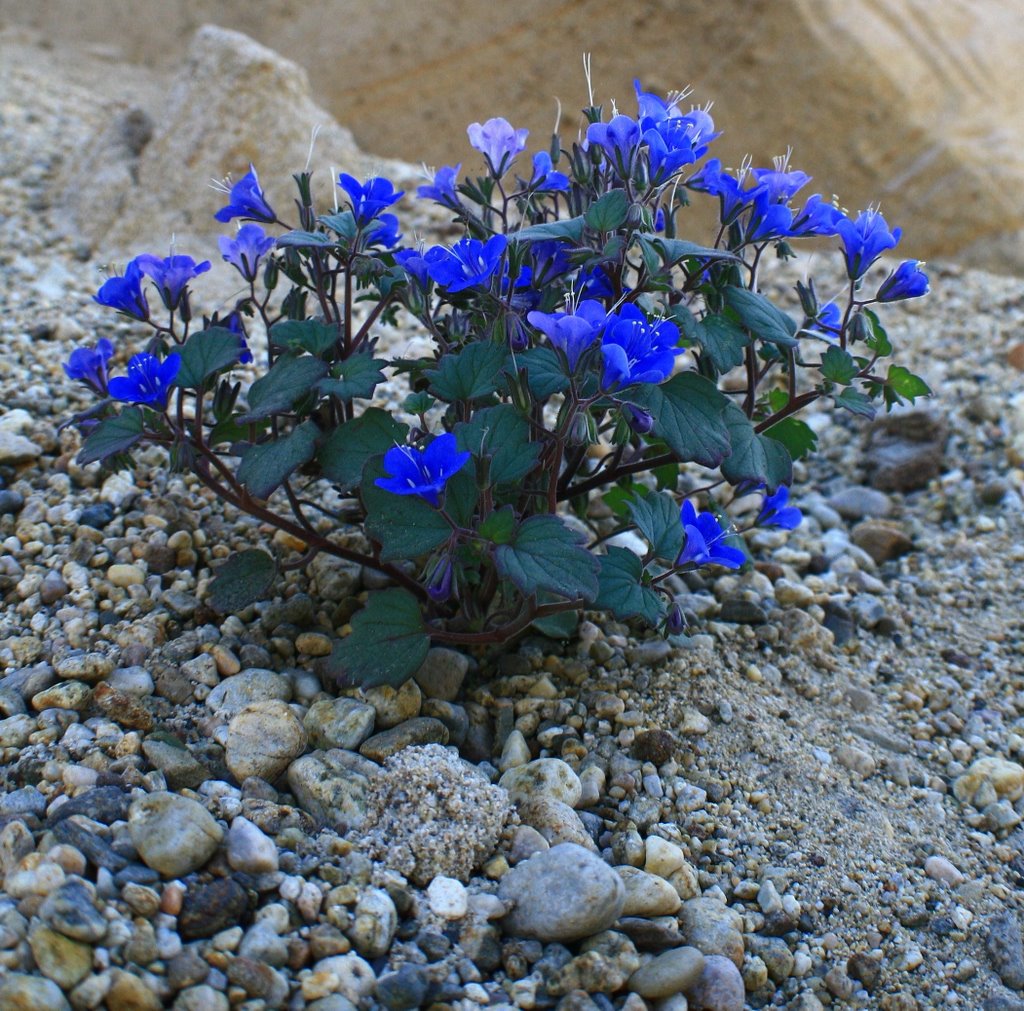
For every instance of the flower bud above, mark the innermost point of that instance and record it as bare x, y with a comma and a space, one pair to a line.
639, 420
582, 431
675, 623
270, 274
808, 298
440, 586
860, 328
638, 218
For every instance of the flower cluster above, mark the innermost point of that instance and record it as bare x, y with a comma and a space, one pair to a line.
587, 369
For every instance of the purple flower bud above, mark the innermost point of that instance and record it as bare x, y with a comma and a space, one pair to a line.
908, 280
640, 420
440, 586
498, 142
675, 623
90, 365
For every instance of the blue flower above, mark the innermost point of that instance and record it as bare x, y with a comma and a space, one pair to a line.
827, 323
619, 139
652, 108
171, 275
768, 220
245, 250
571, 333
704, 536
864, 241
780, 185
468, 263
595, 283
90, 365
776, 513
702, 130
669, 148
550, 261
125, 293
731, 193
386, 233
422, 472
545, 178
498, 142
233, 322
415, 265
636, 350
369, 200
246, 200
816, 217
148, 380
908, 280
442, 189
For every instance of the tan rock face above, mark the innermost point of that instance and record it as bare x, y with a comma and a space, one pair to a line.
882, 100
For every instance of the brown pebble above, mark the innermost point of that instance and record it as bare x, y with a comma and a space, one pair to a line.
1015, 357
654, 746
123, 708
172, 898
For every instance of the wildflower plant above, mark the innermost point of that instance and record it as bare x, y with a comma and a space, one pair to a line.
574, 387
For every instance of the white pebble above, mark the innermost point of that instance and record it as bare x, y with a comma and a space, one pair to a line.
448, 898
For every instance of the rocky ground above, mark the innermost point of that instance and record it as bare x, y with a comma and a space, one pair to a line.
813, 801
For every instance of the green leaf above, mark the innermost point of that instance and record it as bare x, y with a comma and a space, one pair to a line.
570, 230
404, 525
498, 527
501, 434
356, 376
300, 239
760, 317
754, 457
673, 251
878, 341
620, 589
609, 212
688, 413
205, 353
470, 374
905, 385
722, 341
343, 224
344, 454
797, 436
545, 554
288, 379
418, 403
617, 498
545, 372
855, 402
838, 366
113, 435
265, 467
304, 334
242, 580
387, 645
560, 625
657, 518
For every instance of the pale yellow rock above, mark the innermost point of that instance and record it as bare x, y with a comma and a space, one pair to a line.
662, 857
647, 894
1006, 778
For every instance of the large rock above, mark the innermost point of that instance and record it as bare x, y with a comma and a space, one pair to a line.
174, 835
562, 894
927, 121
231, 102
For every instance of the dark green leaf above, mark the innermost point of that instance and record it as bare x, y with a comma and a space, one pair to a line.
722, 341
673, 251
499, 525
356, 376
343, 223
242, 580
545, 372
838, 366
760, 317
113, 435
609, 212
545, 554
620, 590
570, 230
288, 379
418, 403
754, 457
560, 625
855, 402
797, 436
267, 466
667, 476
306, 240
688, 413
469, 374
617, 498
878, 341
657, 518
406, 526
344, 454
502, 434
306, 334
205, 353
387, 645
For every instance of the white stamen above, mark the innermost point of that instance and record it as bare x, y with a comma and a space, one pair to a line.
312, 142
587, 76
